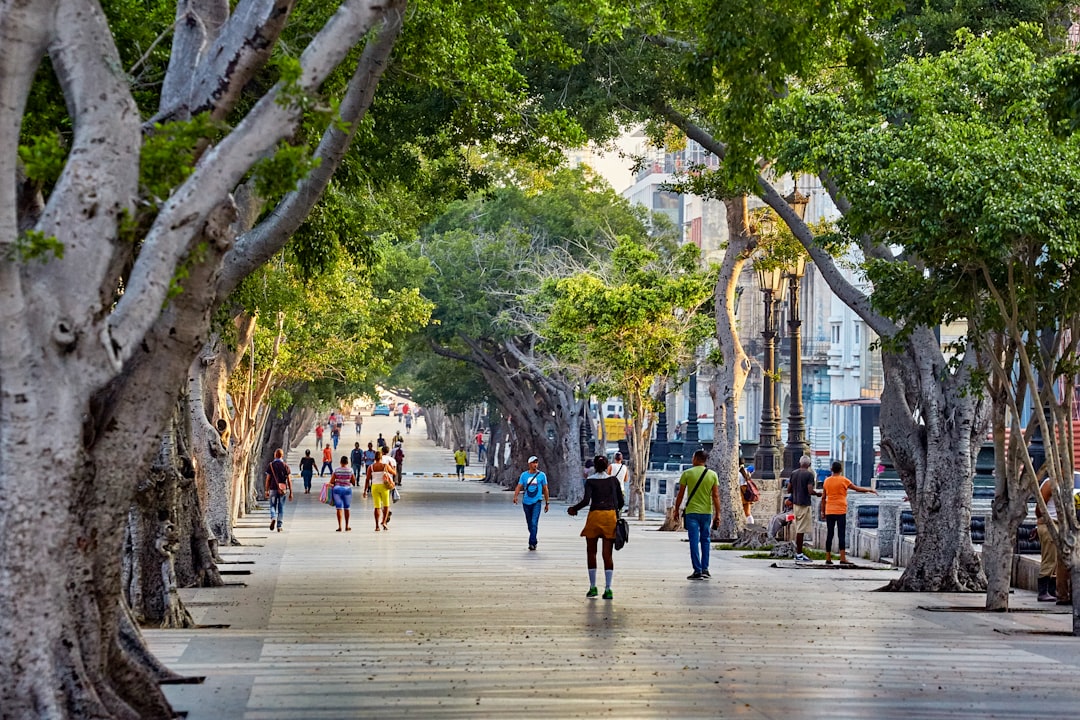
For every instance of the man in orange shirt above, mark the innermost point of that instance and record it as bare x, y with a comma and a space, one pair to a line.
327, 460
834, 501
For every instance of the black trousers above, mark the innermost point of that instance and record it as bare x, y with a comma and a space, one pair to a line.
837, 524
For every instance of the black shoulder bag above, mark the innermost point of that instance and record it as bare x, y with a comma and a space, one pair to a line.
696, 485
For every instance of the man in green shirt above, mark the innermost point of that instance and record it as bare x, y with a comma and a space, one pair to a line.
703, 498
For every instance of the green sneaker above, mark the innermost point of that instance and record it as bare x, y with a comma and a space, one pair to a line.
592, 592
607, 594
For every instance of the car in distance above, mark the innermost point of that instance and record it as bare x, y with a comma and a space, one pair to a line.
381, 409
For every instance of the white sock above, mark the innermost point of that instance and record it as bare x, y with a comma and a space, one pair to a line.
592, 577
607, 578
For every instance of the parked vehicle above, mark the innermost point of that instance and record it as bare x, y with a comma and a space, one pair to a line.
381, 409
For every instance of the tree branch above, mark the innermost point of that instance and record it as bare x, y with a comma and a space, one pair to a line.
259, 244
184, 214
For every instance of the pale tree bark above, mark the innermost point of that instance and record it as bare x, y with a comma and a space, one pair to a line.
730, 376
1012, 488
102, 371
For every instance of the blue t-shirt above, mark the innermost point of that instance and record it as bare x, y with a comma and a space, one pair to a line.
534, 486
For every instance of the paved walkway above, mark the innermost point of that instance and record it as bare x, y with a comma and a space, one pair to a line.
448, 615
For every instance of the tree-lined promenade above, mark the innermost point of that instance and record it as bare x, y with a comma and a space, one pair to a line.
449, 615
219, 221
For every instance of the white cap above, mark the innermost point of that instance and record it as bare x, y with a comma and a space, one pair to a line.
533, 458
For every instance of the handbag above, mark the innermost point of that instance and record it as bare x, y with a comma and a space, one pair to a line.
283, 489
395, 494
326, 495
622, 533
750, 492
388, 481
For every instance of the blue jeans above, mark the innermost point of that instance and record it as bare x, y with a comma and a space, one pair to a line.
277, 508
697, 527
307, 479
532, 518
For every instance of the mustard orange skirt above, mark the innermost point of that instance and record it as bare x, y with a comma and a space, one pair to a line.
600, 524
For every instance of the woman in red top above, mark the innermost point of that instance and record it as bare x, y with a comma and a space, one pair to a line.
834, 501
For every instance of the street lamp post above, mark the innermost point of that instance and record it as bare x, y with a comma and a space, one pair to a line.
796, 440
796, 430
767, 458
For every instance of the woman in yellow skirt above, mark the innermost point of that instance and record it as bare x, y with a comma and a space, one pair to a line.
380, 480
604, 496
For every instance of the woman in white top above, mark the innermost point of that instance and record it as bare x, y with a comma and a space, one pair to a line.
380, 478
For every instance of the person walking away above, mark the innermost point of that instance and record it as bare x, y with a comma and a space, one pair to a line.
803, 486
621, 473
533, 485
327, 460
357, 459
278, 487
399, 459
335, 434
747, 506
307, 469
699, 514
604, 496
369, 458
460, 461
379, 481
318, 436
343, 480
834, 499
389, 460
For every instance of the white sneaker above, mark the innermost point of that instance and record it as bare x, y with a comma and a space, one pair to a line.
802, 558
749, 519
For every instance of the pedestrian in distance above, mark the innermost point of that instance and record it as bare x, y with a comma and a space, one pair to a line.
480, 446
397, 439
380, 442
359, 422
702, 512
369, 457
343, 480
744, 480
604, 496
408, 424
278, 487
388, 458
380, 480
399, 460
307, 469
318, 437
357, 459
461, 459
327, 460
834, 505
803, 486
335, 434
620, 472
532, 487
1049, 565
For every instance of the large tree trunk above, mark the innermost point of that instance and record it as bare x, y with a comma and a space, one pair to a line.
101, 371
153, 536
1010, 501
730, 377
932, 426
